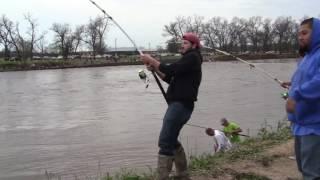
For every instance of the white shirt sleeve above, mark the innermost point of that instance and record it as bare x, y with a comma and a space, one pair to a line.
223, 143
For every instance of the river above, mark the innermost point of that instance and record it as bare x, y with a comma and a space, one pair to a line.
82, 122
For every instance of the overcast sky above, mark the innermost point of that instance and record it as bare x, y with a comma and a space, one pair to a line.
144, 19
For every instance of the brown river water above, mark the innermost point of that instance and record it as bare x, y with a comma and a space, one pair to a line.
85, 122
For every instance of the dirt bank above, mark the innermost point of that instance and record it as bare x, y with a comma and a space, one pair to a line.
276, 164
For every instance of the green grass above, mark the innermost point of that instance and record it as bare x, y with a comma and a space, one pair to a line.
212, 165
249, 149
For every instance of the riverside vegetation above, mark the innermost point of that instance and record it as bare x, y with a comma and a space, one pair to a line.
255, 158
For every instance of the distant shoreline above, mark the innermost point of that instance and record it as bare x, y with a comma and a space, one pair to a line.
6, 66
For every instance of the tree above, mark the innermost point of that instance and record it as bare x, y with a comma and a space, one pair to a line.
172, 31
173, 46
14, 35
94, 33
267, 35
4, 38
63, 38
195, 24
253, 31
78, 34
32, 32
42, 45
238, 38
283, 29
181, 25
217, 33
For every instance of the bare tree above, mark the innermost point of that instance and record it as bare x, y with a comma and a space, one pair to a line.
32, 32
294, 37
237, 34
253, 31
78, 34
181, 25
209, 36
13, 33
283, 29
94, 33
4, 39
63, 38
267, 35
42, 45
216, 30
194, 24
172, 30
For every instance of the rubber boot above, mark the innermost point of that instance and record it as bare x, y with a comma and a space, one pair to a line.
164, 167
180, 162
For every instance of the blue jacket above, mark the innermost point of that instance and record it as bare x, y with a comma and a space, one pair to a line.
305, 88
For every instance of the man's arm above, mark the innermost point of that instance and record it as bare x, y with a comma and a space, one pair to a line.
235, 129
152, 64
309, 91
187, 64
156, 70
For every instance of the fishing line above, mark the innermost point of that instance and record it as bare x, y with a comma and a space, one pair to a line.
250, 64
134, 44
143, 75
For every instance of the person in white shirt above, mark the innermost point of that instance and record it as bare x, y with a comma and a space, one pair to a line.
221, 142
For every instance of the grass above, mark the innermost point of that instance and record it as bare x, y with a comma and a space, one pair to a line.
212, 165
249, 149
60, 64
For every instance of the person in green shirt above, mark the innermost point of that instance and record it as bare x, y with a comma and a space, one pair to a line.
231, 130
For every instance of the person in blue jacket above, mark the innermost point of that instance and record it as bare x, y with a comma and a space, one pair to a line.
303, 103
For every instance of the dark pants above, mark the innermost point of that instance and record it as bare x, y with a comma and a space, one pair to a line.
307, 149
176, 116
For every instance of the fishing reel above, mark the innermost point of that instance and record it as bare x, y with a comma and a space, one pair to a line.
143, 76
285, 95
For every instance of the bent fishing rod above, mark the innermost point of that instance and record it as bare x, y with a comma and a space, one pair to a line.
134, 44
140, 52
250, 64
202, 127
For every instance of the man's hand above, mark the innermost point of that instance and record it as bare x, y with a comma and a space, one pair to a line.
150, 68
150, 62
235, 133
286, 85
146, 59
291, 105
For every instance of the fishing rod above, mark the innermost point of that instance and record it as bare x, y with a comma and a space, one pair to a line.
202, 127
134, 44
142, 74
250, 64
141, 53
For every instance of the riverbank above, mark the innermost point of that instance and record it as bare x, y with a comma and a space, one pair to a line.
263, 158
269, 156
132, 60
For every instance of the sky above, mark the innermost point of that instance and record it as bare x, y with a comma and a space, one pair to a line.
144, 20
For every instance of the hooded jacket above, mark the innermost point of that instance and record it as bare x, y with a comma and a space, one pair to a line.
305, 87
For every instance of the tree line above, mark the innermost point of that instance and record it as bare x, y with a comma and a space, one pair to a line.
239, 35
66, 40
254, 34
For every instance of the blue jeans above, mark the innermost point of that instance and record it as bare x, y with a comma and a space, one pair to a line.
176, 116
307, 149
